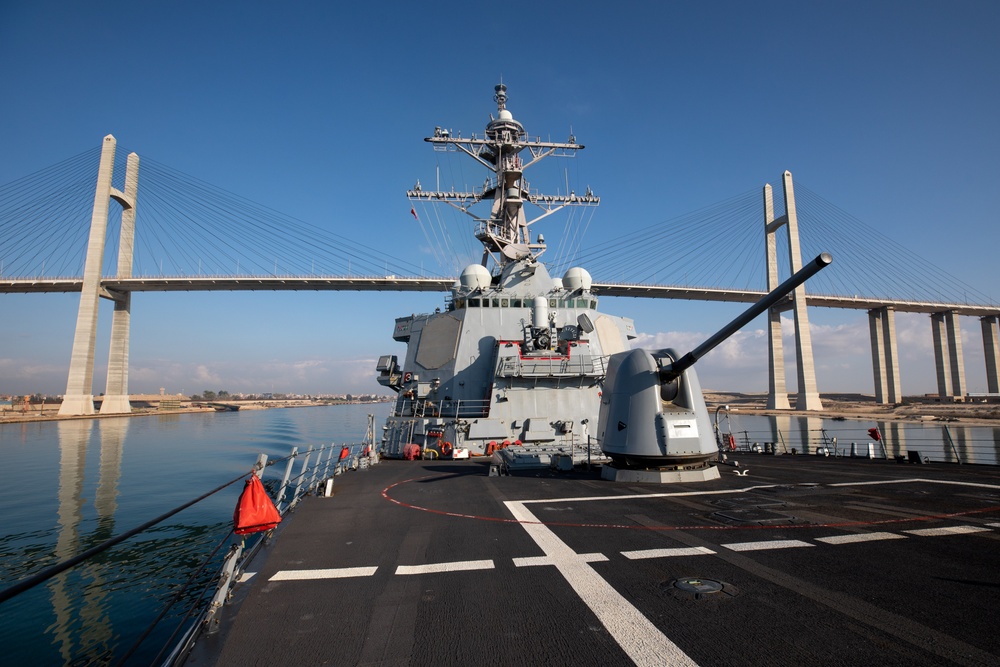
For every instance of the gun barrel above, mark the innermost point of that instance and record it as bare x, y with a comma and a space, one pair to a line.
674, 370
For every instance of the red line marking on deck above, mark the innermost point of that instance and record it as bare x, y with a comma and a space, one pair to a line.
565, 524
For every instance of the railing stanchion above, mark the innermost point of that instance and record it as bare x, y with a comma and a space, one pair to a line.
284, 481
954, 450
302, 474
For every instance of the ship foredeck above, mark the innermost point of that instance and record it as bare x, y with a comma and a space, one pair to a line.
803, 560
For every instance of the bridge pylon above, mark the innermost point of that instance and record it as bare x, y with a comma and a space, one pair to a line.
808, 394
885, 355
79, 397
948, 358
991, 349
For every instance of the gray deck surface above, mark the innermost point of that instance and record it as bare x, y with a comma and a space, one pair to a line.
815, 557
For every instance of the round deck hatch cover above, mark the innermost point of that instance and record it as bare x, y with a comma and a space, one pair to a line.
697, 585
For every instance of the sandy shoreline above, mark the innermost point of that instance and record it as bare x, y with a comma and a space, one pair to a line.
50, 412
919, 409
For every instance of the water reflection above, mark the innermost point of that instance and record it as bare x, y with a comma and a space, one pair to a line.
74, 436
76, 487
79, 596
893, 438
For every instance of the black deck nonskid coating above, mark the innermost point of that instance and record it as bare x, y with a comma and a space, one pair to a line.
805, 560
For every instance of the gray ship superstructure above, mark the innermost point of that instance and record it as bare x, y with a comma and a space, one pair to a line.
515, 360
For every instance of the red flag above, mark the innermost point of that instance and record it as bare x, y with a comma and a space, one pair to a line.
254, 511
873, 432
414, 214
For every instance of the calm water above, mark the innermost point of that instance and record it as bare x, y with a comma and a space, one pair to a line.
73, 484
70, 485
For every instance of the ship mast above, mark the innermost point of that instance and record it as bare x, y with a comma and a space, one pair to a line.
505, 234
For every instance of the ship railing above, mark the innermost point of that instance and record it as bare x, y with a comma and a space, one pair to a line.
316, 474
205, 593
918, 443
489, 229
575, 365
443, 409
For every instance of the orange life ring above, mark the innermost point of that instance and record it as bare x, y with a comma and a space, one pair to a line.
732, 443
445, 448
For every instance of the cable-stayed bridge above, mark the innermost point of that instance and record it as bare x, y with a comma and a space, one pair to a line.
181, 234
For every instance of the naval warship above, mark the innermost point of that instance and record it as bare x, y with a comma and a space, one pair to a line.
514, 361
806, 560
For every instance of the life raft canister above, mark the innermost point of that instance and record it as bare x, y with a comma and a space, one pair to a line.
446, 448
254, 510
345, 452
492, 447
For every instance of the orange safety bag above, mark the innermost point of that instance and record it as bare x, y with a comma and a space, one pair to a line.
254, 511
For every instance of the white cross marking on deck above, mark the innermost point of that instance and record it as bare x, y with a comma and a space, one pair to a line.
859, 537
334, 573
667, 553
768, 544
457, 566
949, 530
531, 561
644, 643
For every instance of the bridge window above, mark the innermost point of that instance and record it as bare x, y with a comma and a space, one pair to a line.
496, 303
515, 303
473, 303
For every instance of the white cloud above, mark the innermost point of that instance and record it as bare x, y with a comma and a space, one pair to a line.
205, 376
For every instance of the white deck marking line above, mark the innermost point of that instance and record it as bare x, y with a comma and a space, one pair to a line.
860, 537
532, 561
667, 553
333, 573
457, 566
644, 643
245, 576
993, 525
948, 530
768, 544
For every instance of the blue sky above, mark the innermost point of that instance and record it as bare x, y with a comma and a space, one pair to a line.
887, 109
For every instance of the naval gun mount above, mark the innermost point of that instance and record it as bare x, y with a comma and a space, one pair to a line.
653, 423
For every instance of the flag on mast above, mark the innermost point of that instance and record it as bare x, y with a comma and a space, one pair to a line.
414, 214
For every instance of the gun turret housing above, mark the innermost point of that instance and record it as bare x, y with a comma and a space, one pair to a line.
653, 412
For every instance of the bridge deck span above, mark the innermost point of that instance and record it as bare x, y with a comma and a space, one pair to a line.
394, 284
